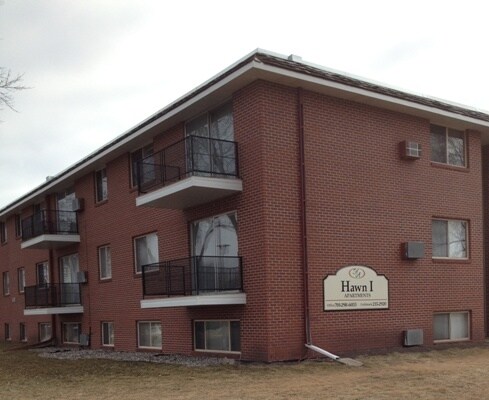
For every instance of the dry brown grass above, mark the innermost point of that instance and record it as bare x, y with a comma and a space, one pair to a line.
447, 374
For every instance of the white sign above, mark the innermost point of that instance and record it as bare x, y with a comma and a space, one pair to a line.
356, 287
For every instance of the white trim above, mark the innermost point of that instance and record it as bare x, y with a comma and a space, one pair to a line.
49, 240
370, 94
201, 300
226, 185
54, 310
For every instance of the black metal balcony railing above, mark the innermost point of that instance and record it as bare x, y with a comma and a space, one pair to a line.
53, 295
193, 155
193, 276
53, 222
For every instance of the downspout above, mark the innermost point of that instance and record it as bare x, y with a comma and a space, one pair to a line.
51, 277
302, 174
305, 261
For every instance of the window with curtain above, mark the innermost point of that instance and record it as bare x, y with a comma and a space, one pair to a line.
145, 251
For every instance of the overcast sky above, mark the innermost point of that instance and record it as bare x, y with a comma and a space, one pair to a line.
98, 67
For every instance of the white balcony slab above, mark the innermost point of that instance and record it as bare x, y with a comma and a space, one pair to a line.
54, 310
194, 301
49, 241
190, 192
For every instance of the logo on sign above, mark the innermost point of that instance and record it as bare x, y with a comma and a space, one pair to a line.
356, 273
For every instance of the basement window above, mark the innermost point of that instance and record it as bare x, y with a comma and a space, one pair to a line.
71, 333
451, 327
149, 335
44, 331
217, 336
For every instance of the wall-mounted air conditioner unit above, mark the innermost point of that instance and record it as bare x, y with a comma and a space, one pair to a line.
413, 337
84, 339
77, 204
82, 276
410, 150
412, 250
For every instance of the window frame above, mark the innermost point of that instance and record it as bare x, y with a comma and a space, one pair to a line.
447, 244
450, 339
40, 329
230, 337
21, 279
137, 265
6, 283
106, 261
7, 331
134, 157
63, 332
101, 185
107, 341
22, 332
151, 323
18, 226
3, 232
447, 147
46, 275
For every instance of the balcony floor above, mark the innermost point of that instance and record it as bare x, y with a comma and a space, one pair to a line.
54, 310
190, 192
49, 241
193, 301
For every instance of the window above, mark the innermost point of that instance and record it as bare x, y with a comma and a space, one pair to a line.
71, 332
217, 336
149, 335
447, 146
22, 332
145, 250
6, 283
107, 334
147, 170
42, 274
211, 140
449, 238
6, 328
18, 226
21, 279
44, 331
105, 263
451, 326
3, 232
101, 185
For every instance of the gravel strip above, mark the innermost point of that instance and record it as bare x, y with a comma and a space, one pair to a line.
79, 354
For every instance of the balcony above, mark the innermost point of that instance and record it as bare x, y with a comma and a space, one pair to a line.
193, 281
193, 171
60, 298
50, 229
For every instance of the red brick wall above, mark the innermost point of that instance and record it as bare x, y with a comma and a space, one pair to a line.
363, 201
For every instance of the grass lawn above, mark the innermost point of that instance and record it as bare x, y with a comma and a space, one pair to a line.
443, 374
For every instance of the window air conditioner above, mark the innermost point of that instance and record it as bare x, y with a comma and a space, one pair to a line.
77, 204
84, 339
413, 337
413, 250
410, 150
82, 276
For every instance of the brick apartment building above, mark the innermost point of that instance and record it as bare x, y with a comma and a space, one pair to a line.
276, 205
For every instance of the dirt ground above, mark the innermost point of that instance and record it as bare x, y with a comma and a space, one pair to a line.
461, 373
